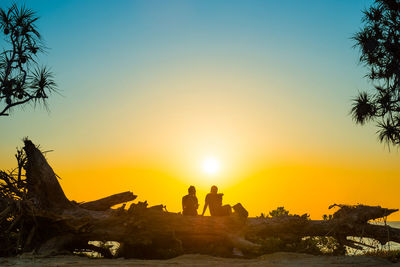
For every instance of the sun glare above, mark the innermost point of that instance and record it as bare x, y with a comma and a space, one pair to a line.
211, 165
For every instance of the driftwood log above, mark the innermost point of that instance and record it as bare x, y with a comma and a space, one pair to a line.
38, 217
107, 202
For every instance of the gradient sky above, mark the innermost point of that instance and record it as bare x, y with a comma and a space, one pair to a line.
150, 88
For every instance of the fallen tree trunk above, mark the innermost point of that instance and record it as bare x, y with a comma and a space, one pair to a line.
43, 188
47, 222
107, 202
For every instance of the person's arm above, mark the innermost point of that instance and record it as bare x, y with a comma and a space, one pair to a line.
205, 206
204, 210
183, 203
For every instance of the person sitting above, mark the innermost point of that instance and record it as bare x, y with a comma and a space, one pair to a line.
214, 202
190, 203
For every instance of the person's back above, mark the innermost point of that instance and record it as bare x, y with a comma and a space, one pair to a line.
190, 202
214, 202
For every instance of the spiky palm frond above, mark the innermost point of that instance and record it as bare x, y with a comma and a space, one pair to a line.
377, 14
24, 19
42, 82
5, 17
389, 132
389, 4
363, 108
384, 101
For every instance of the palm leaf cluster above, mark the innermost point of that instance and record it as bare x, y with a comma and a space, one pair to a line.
22, 80
379, 44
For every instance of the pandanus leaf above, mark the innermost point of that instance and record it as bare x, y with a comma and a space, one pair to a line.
363, 109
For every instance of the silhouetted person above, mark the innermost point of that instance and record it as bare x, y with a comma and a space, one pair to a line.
214, 202
190, 203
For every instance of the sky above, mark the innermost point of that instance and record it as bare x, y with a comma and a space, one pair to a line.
149, 90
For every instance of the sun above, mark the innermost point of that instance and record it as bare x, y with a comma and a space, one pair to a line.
211, 165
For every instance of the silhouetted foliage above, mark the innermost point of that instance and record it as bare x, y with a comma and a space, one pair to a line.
13, 187
22, 80
13, 182
316, 245
379, 43
279, 211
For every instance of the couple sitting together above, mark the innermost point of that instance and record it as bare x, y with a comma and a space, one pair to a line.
213, 201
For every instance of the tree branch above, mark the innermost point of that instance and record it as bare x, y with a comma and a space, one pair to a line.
3, 112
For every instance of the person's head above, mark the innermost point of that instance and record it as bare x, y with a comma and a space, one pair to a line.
214, 189
192, 190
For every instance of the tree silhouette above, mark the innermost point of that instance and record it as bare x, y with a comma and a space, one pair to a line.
279, 211
22, 80
379, 43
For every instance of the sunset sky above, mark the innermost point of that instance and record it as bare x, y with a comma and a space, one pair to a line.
149, 90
